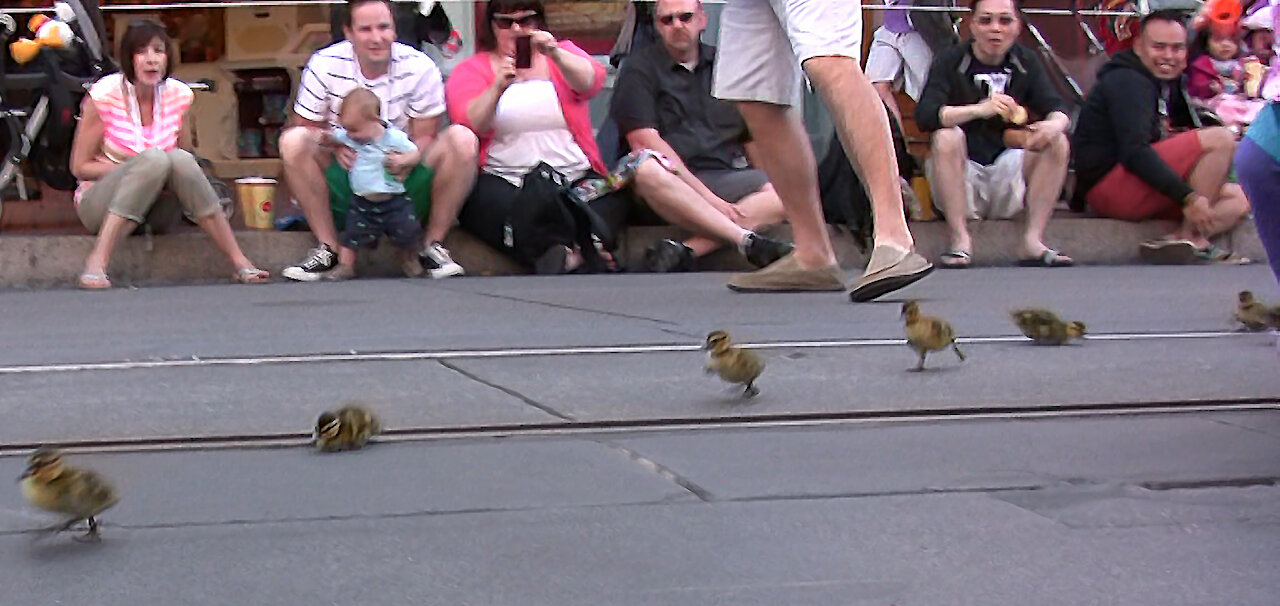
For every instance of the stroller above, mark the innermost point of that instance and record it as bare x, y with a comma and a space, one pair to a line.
40, 102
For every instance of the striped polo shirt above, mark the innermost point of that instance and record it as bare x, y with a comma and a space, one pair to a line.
411, 88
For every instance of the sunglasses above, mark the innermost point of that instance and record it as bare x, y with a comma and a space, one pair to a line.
684, 17
506, 22
1005, 20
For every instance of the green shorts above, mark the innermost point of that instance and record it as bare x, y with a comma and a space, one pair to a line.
417, 188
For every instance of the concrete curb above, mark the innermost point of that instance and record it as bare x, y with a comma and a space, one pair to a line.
48, 261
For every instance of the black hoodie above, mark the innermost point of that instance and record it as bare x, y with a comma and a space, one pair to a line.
1121, 119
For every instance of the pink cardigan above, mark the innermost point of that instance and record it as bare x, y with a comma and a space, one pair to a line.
471, 77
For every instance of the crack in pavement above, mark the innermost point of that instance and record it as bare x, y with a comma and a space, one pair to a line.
1245, 428
662, 470
507, 390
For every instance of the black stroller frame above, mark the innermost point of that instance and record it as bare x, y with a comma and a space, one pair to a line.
25, 124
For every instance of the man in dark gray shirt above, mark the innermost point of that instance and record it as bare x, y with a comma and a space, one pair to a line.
662, 101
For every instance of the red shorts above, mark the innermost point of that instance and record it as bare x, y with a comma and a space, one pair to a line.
1123, 195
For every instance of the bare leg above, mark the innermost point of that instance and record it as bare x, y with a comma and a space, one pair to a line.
1209, 176
885, 90
950, 156
863, 127
453, 156
789, 162
114, 229
676, 202
760, 209
219, 230
1045, 172
304, 162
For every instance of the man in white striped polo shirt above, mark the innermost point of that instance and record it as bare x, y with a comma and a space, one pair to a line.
410, 87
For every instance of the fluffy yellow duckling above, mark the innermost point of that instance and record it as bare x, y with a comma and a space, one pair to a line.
927, 333
1045, 327
80, 494
347, 428
1255, 315
733, 364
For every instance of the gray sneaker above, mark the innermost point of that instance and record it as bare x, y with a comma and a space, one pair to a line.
888, 270
786, 275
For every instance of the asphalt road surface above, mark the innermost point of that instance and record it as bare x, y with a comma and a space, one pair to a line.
554, 441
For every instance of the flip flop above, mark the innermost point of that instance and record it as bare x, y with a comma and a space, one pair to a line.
251, 275
88, 281
1168, 252
1048, 258
1219, 256
955, 259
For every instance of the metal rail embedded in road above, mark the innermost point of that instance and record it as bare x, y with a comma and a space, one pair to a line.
615, 427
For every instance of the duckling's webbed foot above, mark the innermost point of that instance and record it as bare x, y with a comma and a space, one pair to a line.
751, 391
956, 349
92, 535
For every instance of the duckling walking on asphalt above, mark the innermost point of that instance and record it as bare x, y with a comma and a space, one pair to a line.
79, 494
1045, 327
927, 333
347, 428
733, 364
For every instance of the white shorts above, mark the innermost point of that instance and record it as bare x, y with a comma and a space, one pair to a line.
997, 191
902, 59
763, 43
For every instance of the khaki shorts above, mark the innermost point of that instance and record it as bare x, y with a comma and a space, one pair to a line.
902, 59
763, 43
997, 191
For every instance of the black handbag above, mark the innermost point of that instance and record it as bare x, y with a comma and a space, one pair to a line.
545, 215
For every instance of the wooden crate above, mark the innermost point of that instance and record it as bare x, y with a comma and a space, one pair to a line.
268, 31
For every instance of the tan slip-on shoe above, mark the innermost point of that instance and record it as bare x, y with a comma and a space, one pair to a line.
786, 275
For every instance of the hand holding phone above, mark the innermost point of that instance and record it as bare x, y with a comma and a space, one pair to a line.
524, 52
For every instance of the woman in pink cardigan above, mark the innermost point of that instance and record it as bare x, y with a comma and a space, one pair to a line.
527, 116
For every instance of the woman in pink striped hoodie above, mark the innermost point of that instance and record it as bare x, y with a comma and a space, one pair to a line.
126, 151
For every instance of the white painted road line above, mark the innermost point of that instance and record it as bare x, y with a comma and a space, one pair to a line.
464, 354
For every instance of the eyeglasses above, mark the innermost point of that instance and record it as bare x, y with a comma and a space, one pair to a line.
1005, 20
506, 21
684, 17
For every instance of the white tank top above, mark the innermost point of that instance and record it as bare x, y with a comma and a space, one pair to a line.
528, 128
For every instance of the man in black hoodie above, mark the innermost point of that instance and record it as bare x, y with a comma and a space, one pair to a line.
1132, 163
990, 158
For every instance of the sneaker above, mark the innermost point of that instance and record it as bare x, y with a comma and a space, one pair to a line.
435, 257
762, 251
667, 255
890, 269
319, 260
786, 275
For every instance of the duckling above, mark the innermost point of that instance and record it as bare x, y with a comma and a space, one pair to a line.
347, 428
733, 364
927, 333
81, 494
1254, 315
1045, 327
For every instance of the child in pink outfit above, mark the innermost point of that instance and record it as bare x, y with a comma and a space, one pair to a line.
1217, 78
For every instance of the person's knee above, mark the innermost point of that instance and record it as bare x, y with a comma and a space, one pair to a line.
154, 161
179, 157
948, 142
461, 142
1232, 197
1216, 139
297, 143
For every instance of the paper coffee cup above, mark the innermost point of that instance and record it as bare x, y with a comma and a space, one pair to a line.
256, 194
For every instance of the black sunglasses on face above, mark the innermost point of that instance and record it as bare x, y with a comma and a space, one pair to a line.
506, 22
684, 17
1005, 20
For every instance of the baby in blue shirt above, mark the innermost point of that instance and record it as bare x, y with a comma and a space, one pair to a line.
378, 205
